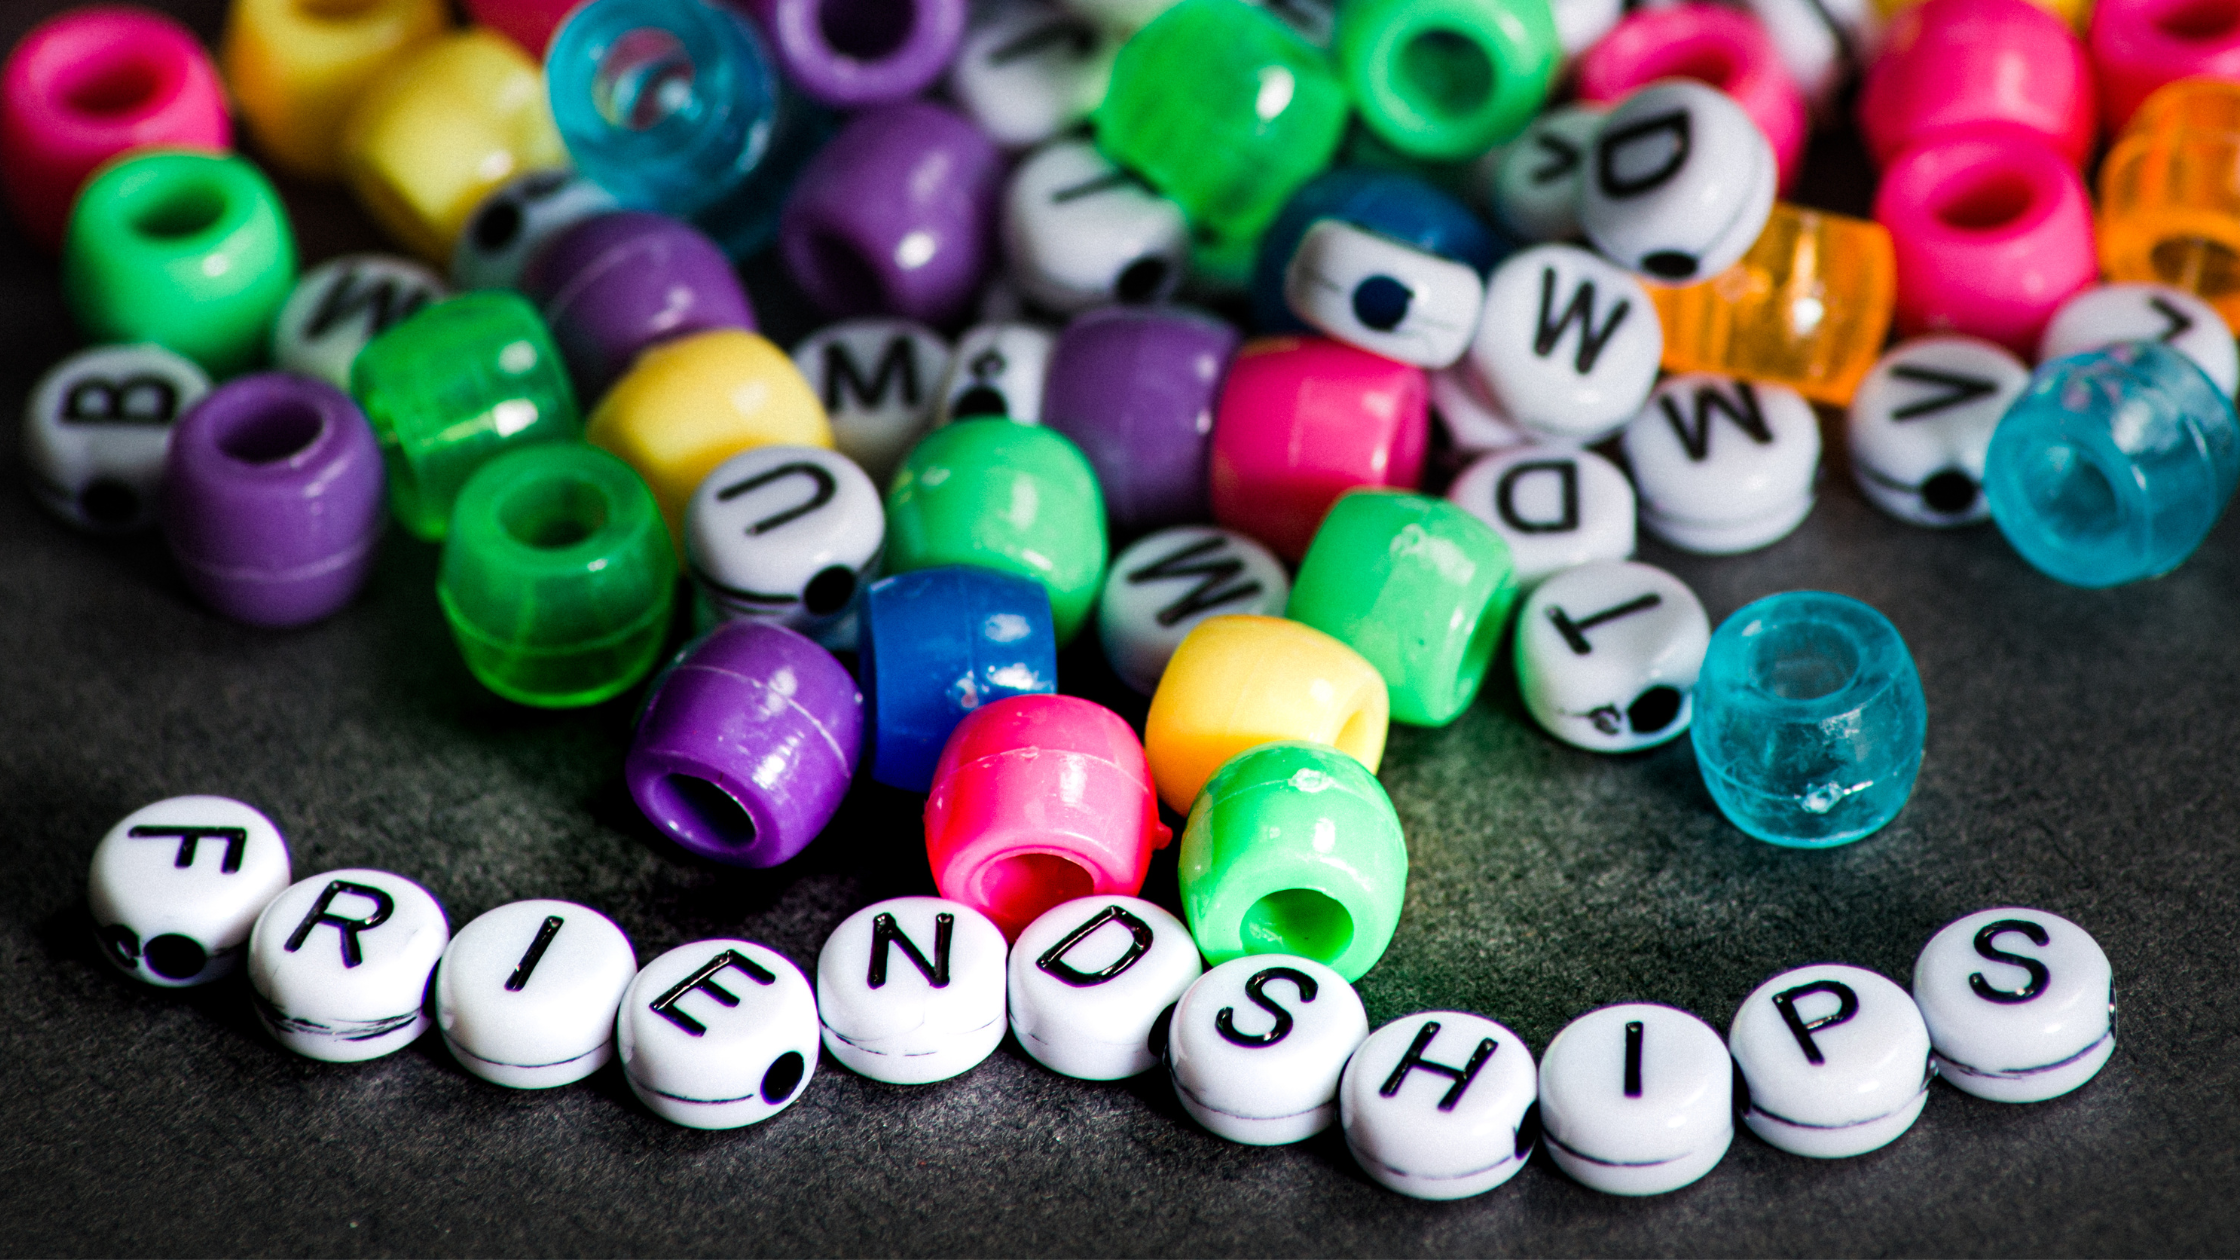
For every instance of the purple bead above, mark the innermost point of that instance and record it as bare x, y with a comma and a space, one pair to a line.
747, 744
853, 53
273, 499
616, 283
1135, 388
894, 216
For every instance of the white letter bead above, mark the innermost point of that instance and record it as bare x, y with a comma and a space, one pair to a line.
1637, 1099
96, 428
513, 223
1607, 655
911, 990
1164, 584
1555, 508
2109, 313
341, 962
526, 994
1723, 466
1434, 1105
718, 1034
785, 534
1473, 424
1834, 1058
1078, 231
878, 379
1532, 183
997, 371
1373, 292
1680, 183
343, 303
1089, 981
1122, 17
1921, 422
1579, 23
1568, 344
1032, 71
176, 886
1821, 43
2021, 1004
1257, 1045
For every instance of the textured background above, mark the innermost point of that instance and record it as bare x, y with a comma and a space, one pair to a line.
2080, 760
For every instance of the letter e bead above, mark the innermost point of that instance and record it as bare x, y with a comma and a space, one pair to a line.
718, 1034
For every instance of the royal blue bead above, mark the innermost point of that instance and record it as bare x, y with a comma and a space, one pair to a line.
1808, 719
937, 644
1389, 203
2113, 464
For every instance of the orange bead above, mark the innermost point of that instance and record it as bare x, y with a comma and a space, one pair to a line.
2170, 195
297, 66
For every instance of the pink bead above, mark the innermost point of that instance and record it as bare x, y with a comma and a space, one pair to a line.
1712, 44
529, 23
1992, 235
90, 84
1951, 66
1038, 800
2139, 45
1301, 421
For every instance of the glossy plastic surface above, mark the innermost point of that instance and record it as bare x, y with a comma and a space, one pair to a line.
937, 644
175, 886
617, 283
295, 69
2169, 198
1395, 205
1978, 67
1447, 80
1135, 389
2139, 45
2020, 1004
1726, 48
853, 53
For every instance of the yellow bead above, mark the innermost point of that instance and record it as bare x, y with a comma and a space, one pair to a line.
2077, 13
1239, 682
690, 404
295, 67
440, 129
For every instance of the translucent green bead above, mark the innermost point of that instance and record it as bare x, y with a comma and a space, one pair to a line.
1444, 80
557, 575
1013, 497
454, 385
189, 250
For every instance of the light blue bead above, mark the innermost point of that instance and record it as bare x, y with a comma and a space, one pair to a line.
1809, 719
2113, 464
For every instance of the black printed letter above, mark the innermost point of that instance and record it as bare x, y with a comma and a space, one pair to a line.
1053, 960
383, 907
1987, 947
1413, 1060
1847, 1005
1255, 989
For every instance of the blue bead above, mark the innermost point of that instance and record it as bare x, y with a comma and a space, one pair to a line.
937, 644
1808, 719
2113, 464
1389, 203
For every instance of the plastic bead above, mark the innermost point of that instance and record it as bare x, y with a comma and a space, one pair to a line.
340, 964
1991, 237
788, 535
1608, 654
2110, 313
1123, 18
1258, 1046
2139, 45
615, 284
176, 886
1567, 346
513, 224
2002, 69
853, 53
911, 990
937, 644
1637, 1099
1808, 719
295, 70
89, 84
1834, 1061
1397, 210
526, 993
1681, 184
2167, 213
718, 1034
1078, 231
272, 499
996, 370
1723, 466
746, 745
1473, 425
1447, 80
2020, 1004
442, 128
1921, 422
2113, 465
894, 216
1555, 509
95, 430
878, 380
451, 387
1725, 48
1032, 71
1438, 1105
557, 576
1159, 589
1807, 307
343, 303
188, 250
529, 23
1823, 44
1581, 23
1532, 184
1385, 298
1092, 981
1135, 389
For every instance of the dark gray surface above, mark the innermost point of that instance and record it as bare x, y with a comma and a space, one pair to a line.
2081, 759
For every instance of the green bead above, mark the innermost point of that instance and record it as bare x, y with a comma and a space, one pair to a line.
1013, 497
1445, 80
1294, 848
189, 250
557, 575
451, 387
1416, 585
1224, 109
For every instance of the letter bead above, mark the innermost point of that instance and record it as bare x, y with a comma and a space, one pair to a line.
344, 303
1165, 584
1822, 44
878, 380
517, 221
1092, 982
718, 1034
1392, 211
1680, 184
2103, 315
1532, 184
1438, 1105
2020, 1004
1555, 508
1258, 1045
1724, 47
177, 885
1723, 466
1637, 1099
788, 535
1834, 1061
1921, 422
341, 961
1382, 296
1608, 653
997, 370
1079, 231
937, 644
95, 430
1567, 346
526, 994
911, 990
1473, 425
1032, 71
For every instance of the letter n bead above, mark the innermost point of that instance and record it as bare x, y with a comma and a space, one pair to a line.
718, 1034
2021, 1004
1834, 1061
1258, 1045
1438, 1105
340, 964
911, 990
1093, 982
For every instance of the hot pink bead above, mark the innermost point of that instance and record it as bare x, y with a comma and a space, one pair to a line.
90, 84
1038, 800
1991, 236
529, 23
1712, 44
2139, 45
1951, 66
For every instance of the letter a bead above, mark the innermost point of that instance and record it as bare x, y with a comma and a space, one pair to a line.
341, 962
176, 886
1092, 982
2020, 1004
718, 1034
1637, 1099
911, 990
1834, 1061
1437, 1105
526, 994
1258, 1044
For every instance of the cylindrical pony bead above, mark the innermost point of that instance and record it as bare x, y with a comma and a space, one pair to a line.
2169, 200
1950, 67
1723, 47
850, 53
937, 644
616, 283
529, 23
1135, 389
1448, 79
296, 69
2139, 45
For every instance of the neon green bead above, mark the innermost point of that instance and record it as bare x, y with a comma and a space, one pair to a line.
1014, 497
1445, 80
1416, 585
189, 250
1294, 848
557, 575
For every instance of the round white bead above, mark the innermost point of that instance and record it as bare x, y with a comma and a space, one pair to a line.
96, 428
1078, 231
1257, 1045
2106, 314
718, 1034
1723, 466
911, 990
176, 886
1637, 1099
1921, 422
998, 370
1555, 508
1031, 71
1607, 655
343, 303
1679, 184
526, 993
1090, 980
1567, 345
1835, 1059
878, 379
341, 962
1376, 293
785, 534
1434, 1105
1164, 584
1822, 43
2020, 1004
1531, 185
516, 221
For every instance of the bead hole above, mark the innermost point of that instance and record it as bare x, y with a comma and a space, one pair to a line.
708, 811
2201, 22
2070, 496
2197, 265
1355, 737
1804, 661
1988, 204
644, 80
1477, 653
1018, 889
182, 211
1298, 921
115, 89
866, 29
847, 278
269, 436
549, 515
1446, 73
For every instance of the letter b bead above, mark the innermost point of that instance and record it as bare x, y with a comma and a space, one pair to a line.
1091, 983
96, 428
1437, 1105
1257, 1047
2020, 1004
718, 1034
1834, 1060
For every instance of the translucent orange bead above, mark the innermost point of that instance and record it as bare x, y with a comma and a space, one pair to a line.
2188, 105
2170, 196
296, 67
2077, 13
